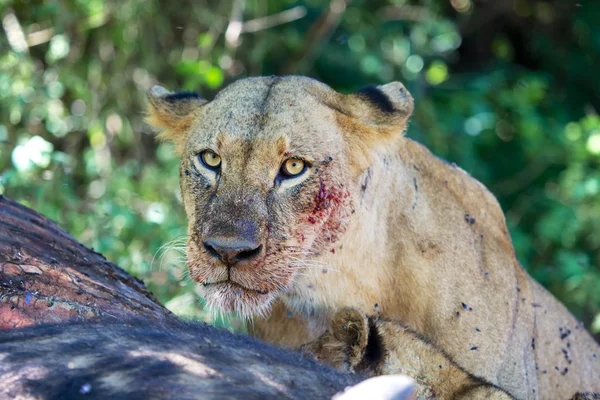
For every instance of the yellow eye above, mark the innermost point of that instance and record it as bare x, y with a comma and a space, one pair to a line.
293, 167
210, 159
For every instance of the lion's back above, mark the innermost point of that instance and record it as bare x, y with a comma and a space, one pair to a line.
568, 358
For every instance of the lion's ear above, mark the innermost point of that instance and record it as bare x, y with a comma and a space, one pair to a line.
387, 106
172, 113
373, 119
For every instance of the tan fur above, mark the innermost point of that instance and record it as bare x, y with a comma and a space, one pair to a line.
383, 226
383, 347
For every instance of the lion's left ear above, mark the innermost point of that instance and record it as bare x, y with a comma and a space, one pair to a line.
172, 113
373, 120
385, 107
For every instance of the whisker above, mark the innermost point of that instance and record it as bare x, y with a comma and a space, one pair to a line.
178, 244
314, 266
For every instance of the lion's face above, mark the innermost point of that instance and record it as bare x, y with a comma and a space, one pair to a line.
268, 173
275, 194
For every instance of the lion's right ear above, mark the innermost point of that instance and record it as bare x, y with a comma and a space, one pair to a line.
372, 119
172, 113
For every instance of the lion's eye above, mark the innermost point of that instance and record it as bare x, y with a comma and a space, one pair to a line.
293, 167
210, 159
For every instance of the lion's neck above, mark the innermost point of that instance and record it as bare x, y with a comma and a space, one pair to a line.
353, 268
415, 216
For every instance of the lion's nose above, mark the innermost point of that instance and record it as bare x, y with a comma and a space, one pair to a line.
231, 250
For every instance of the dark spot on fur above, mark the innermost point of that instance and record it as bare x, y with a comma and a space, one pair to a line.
187, 172
181, 96
564, 332
566, 354
474, 348
458, 314
365, 184
477, 330
416, 186
533, 343
440, 367
372, 94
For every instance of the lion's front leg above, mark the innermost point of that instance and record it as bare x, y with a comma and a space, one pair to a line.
344, 344
374, 347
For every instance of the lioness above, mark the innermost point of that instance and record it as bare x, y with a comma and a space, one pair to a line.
303, 201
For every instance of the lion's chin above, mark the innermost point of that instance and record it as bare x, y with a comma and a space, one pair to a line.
229, 297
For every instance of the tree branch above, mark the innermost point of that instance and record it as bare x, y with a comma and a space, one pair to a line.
317, 34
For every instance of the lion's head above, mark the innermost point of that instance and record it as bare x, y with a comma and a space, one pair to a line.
269, 173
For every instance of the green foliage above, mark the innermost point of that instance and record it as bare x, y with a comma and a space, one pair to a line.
508, 93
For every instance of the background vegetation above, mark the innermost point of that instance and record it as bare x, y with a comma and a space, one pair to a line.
507, 89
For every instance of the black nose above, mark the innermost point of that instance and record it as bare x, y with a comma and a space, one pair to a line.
231, 250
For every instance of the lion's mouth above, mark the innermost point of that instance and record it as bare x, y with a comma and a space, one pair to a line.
234, 285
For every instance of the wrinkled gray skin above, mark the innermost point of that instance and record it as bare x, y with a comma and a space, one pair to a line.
143, 359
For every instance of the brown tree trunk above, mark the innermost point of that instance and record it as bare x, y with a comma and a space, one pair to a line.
134, 348
47, 276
